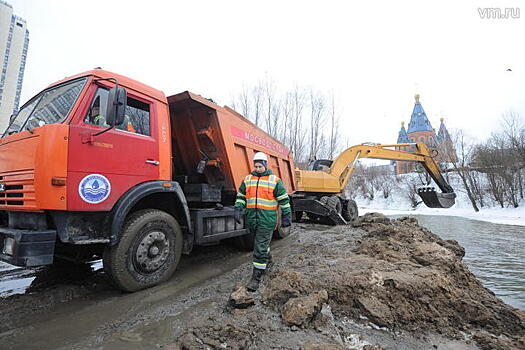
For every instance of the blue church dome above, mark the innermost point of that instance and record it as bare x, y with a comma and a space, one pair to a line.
419, 120
403, 137
443, 135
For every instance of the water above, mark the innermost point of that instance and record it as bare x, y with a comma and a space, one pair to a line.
495, 253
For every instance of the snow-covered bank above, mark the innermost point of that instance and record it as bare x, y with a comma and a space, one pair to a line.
398, 204
508, 216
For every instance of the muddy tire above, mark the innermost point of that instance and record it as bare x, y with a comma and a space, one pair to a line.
334, 203
350, 211
148, 252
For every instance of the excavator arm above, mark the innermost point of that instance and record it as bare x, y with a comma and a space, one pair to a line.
336, 179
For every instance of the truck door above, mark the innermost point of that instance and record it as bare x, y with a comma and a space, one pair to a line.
101, 168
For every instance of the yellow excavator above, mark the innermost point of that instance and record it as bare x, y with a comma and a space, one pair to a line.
319, 192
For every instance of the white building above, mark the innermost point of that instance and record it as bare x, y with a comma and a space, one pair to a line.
14, 40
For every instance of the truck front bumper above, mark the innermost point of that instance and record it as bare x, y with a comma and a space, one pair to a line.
27, 247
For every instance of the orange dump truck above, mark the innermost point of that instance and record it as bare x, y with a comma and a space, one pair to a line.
101, 165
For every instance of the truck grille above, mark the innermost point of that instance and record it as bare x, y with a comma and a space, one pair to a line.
19, 190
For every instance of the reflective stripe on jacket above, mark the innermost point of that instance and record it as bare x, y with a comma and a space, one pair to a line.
261, 194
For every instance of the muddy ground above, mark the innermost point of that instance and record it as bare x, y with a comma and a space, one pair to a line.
386, 284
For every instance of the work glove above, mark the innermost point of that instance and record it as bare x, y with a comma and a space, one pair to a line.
286, 220
237, 215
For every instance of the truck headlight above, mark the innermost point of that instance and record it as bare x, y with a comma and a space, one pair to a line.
9, 246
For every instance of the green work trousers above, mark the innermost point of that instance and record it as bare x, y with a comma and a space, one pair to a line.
261, 248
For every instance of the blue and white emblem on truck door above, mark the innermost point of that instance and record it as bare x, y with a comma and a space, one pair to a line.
94, 188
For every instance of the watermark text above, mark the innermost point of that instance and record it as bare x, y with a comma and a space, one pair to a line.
499, 13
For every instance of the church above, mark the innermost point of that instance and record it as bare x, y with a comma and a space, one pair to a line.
420, 130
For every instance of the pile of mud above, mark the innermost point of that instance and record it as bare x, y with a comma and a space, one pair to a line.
393, 275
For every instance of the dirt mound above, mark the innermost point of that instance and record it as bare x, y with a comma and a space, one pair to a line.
393, 276
402, 276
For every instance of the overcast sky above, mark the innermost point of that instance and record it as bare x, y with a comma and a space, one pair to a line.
374, 55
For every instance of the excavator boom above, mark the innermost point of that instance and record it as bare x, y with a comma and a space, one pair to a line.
336, 178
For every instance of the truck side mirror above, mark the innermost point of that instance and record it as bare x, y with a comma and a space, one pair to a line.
116, 106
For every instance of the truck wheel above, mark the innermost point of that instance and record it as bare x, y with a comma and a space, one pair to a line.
334, 203
350, 212
148, 252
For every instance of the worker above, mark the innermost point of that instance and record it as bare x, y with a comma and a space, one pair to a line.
94, 114
261, 192
128, 124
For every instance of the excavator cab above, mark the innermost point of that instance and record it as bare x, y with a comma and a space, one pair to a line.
320, 164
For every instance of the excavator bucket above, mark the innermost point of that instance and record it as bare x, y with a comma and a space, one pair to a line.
433, 199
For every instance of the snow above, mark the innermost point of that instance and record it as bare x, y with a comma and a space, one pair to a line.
507, 216
6, 267
15, 286
398, 204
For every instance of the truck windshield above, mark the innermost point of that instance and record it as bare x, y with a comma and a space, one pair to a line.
49, 107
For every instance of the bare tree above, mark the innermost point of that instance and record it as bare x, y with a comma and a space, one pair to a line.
269, 95
361, 183
488, 161
317, 114
410, 185
284, 116
501, 158
385, 181
257, 101
285, 134
513, 127
460, 156
233, 104
506, 166
334, 141
297, 129
244, 102
513, 130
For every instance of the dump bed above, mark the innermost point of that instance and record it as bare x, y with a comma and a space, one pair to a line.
202, 130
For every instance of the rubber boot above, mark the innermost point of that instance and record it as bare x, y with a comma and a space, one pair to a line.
253, 285
270, 261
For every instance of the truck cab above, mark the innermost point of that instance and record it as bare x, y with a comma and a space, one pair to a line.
99, 164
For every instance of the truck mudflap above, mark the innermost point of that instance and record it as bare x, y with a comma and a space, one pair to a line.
434, 199
27, 247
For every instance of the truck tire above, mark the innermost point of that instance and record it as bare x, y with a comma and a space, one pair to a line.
148, 252
350, 211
